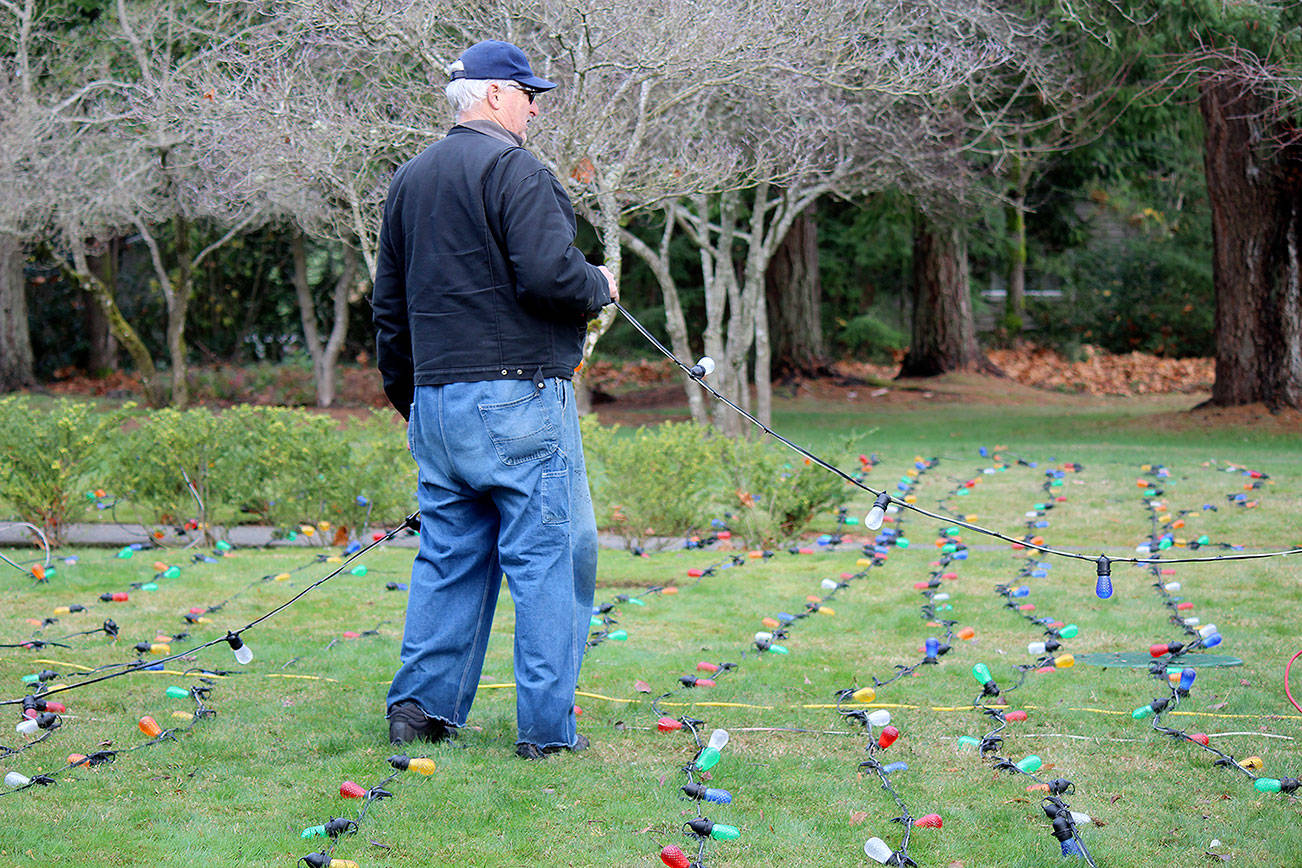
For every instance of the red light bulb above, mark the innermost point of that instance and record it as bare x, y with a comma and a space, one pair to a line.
930, 821
668, 724
1015, 715
707, 667
673, 857
888, 737
350, 790
1200, 739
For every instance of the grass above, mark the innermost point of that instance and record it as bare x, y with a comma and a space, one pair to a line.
239, 788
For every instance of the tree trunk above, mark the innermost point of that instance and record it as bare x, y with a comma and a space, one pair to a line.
177, 308
1015, 300
15, 338
944, 330
794, 301
79, 272
102, 347
612, 253
1255, 190
325, 354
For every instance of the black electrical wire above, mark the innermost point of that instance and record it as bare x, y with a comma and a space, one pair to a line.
699, 378
412, 521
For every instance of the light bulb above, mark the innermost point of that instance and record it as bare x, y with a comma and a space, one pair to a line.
703, 367
718, 739
1103, 587
892, 768
981, 673
27, 726
873, 520
1212, 641
929, 821
707, 759
709, 794
14, 779
668, 724
351, 790
877, 850
1187, 676
828, 584
888, 737
880, 717
1064, 661
709, 667
763, 636
1035, 648
1029, 764
930, 648
1070, 631
673, 857
420, 765
149, 726
243, 653
1206, 630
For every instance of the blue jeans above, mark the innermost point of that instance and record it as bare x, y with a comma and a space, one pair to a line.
502, 490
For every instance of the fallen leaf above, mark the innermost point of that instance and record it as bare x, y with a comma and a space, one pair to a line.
857, 817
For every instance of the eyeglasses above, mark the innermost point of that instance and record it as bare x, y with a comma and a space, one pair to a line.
527, 92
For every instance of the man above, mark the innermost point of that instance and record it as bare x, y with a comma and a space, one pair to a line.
480, 306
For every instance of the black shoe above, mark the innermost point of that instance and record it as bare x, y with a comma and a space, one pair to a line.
525, 750
408, 723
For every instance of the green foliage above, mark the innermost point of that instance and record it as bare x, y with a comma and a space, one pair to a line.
374, 483
1136, 294
48, 456
774, 497
653, 481
869, 338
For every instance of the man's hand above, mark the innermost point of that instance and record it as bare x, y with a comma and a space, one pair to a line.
610, 282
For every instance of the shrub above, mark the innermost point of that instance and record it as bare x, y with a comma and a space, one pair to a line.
375, 482
653, 481
47, 458
871, 339
774, 498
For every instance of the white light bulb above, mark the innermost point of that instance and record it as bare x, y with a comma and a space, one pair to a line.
763, 636
877, 850
1206, 630
1172, 586
718, 739
880, 717
704, 367
13, 779
1035, 648
873, 520
243, 653
828, 584
941, 597
1081, 819
27, 726
1192, 622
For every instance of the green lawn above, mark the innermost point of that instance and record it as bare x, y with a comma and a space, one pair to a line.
306, 714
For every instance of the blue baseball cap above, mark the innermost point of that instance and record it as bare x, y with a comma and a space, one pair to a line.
500, 61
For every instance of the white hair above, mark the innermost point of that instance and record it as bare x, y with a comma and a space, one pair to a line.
466, 93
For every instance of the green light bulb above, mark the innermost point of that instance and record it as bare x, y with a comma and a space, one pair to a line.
1069, 632
720, 832
1030, 764
708, 759
981, 673
1266, 785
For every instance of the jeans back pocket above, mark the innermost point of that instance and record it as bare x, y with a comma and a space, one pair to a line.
520, 430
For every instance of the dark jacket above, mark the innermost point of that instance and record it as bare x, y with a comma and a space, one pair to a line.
478, 277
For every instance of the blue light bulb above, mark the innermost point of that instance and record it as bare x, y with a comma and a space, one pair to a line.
1212, 641
1103, 587
1023, 591
931, 646
1187, 677
719, 797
